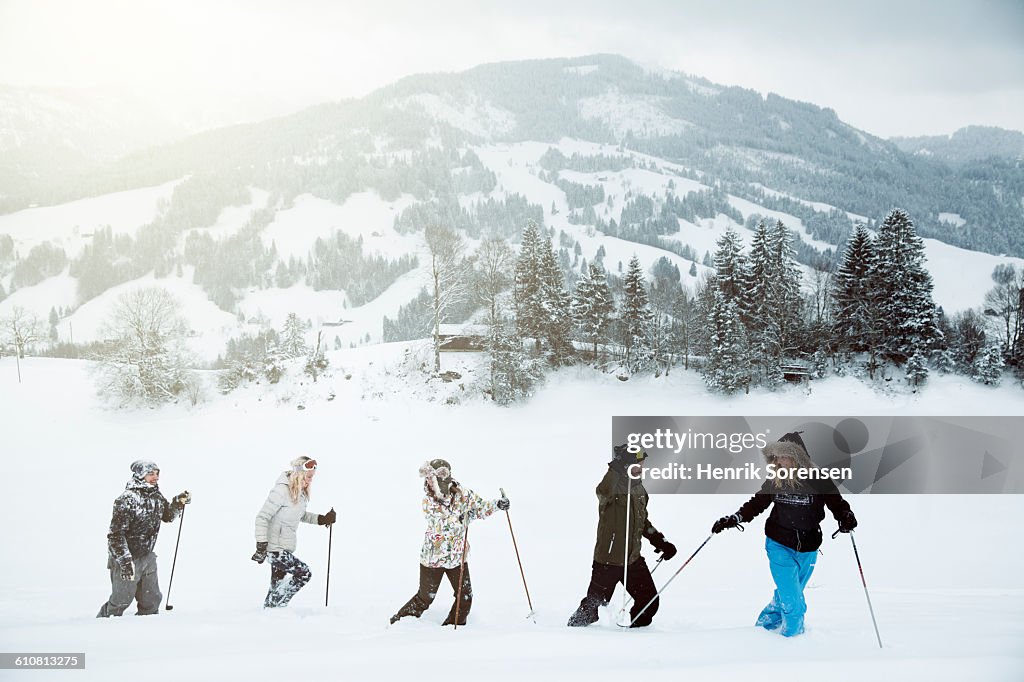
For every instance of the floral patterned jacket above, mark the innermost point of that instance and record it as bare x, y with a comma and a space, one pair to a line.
446, 529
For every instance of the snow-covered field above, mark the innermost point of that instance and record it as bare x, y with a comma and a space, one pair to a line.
946, 572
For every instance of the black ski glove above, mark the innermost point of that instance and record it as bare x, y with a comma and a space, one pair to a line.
261, 553
662, 546
127, 570
503, 504
327, 519
847, 522
732, 521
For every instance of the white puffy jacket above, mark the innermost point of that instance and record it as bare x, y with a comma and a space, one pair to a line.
279, 518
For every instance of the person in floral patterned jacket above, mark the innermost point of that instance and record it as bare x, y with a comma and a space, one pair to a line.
449, 509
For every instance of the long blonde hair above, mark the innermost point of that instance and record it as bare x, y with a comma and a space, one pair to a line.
298, 484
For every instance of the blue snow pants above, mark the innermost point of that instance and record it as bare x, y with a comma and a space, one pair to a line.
790, 570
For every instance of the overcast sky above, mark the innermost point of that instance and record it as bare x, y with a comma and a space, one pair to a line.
891, 68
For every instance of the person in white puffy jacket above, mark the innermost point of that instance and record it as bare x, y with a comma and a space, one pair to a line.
276, 525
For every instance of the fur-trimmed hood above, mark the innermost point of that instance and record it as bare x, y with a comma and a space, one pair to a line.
438, 483
773, 451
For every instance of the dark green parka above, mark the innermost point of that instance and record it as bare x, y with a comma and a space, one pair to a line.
611, 521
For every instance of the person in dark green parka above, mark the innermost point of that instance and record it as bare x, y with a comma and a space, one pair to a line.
611, 546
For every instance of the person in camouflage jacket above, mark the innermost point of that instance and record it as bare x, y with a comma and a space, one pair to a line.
445, 553
134, 526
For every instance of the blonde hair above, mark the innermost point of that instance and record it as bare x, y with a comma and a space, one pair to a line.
298, 484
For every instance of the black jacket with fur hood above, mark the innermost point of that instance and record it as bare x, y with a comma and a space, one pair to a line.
799, 508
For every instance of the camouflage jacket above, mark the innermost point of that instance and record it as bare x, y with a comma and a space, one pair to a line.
135, 522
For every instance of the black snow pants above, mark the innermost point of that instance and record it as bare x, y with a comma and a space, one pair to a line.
281, 591
430, 580
603, 579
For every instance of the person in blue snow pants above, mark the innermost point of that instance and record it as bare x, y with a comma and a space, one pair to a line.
790, 570
793, 529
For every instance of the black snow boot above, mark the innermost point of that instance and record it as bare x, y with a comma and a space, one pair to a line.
585, 614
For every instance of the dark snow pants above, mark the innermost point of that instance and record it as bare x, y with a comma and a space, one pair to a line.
144, 589
430, 580
284, 564
603, 579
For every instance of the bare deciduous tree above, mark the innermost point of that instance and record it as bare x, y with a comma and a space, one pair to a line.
21, 329
495, 259
145, 356
449, 277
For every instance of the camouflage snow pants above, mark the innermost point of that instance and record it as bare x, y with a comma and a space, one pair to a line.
285, 564
144, 589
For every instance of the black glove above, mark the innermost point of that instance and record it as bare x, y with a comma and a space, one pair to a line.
503, 504
662, 546
721, 524
182, 498
261, 553
327, 519
127, 570
847, 522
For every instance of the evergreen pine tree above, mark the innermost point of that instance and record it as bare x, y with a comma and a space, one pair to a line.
904, 290
787, 299
764, 315
853, 311
513, 372
731, 268
917, 370
636, 318
555, 303
526, 289
293, 338
592, 306
726, 367
988, 366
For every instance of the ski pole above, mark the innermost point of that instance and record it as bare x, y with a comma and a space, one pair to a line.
330, 538
864, 582
174, 563
665, 586
462, 567
656, 564
625, 558
520, 561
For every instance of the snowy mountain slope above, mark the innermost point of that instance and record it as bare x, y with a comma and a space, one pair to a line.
233, 218
644, 117
359, 322
961, 277
208, 325
57, 292
470, 114
365, 215
444, 140
69, 225
946, 611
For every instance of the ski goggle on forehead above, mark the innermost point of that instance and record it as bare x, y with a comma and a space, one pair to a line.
308, 465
